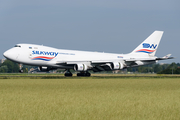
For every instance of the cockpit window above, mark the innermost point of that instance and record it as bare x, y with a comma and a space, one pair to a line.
17, 46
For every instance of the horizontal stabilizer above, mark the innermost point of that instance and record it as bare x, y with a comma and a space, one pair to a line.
165, 57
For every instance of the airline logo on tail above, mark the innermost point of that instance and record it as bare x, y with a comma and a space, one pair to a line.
147, 45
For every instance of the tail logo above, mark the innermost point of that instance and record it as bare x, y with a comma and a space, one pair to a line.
147, 45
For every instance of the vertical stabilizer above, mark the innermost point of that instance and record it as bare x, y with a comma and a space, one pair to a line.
150, 45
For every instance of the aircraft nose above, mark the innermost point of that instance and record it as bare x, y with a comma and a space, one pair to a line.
11, 54
6, 54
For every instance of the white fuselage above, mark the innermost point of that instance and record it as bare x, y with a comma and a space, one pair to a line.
26, 53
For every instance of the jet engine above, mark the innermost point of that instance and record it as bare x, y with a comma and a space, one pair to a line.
117, 65
80, 67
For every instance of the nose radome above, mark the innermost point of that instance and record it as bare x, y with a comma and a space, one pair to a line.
11, 54
6, 54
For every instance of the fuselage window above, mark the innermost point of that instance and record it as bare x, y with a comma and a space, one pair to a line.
17, 46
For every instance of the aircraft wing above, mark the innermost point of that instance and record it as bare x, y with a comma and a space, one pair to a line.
105, 65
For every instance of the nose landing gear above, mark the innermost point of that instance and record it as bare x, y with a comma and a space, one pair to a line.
20, 68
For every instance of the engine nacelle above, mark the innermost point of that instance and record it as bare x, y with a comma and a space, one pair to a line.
117, 65
80, 67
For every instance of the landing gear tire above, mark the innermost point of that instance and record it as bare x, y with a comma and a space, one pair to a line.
86, 74
80, 74
20, 68
68, 74
21, 71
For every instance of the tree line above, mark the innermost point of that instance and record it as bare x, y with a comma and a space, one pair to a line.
11, 67
174, 68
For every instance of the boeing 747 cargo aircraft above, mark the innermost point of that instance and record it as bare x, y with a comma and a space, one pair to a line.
48, 58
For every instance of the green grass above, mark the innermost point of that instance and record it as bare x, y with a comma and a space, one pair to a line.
93, 76
90, 99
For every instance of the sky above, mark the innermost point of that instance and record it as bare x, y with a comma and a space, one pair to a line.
112, 26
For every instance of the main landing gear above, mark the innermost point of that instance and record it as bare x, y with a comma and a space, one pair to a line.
68, 74
86, 74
